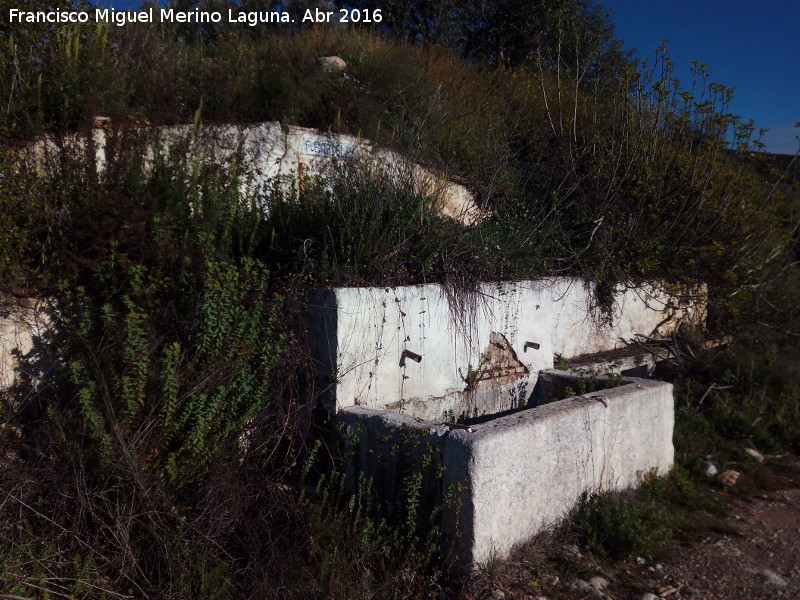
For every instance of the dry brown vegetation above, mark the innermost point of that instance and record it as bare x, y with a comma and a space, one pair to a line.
154, 461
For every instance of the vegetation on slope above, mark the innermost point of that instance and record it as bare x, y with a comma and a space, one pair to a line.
165, 452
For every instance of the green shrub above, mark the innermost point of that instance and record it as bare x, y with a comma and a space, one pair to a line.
619, 527
380, 535
363, 225
167, 338
155, 455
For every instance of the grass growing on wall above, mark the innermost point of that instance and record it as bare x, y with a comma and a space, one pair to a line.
161, 453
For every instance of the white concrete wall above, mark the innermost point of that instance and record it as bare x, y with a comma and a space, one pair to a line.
271, 150
520, 474
528, 470
22, 323
648, 310
361, 334
367, 330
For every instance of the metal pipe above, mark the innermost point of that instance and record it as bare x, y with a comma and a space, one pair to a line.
412, 355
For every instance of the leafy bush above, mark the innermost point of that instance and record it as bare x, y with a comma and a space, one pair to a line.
166, 339
635, 183
620, 527
736, 399
379, 537
175, 387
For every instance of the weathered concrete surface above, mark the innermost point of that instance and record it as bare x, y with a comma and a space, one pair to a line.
516, 475
638, 360
270, 151
23, 324
332, 64
405, 349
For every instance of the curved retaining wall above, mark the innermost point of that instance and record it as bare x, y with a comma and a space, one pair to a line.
271, 150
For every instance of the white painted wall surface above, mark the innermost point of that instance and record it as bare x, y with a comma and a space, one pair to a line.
528, 470
271, 150
361, 333
22, 322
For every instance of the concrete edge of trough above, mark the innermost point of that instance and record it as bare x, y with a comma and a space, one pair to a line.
520, 474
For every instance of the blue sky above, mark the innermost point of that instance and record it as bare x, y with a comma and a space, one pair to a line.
751, 46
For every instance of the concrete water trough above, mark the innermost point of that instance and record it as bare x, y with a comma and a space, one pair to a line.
517, 441
516, 475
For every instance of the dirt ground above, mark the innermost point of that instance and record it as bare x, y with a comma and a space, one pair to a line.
751, 553
756, 558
